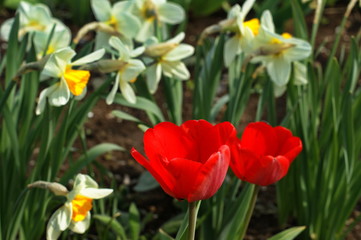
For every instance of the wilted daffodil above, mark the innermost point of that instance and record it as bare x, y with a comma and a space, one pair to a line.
129, 71
155, 11
72, 81
167, 58
277, 52
117, 17
75, 213
33, 18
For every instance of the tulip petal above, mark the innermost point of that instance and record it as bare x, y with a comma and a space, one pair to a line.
260, 138
185, 172
211, 175
165, 180
168, 140
81, 226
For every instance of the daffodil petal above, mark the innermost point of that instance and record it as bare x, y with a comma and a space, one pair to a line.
133, 68
95, 193
153, 74
171, 13
101, 9
138, 51
279, 70
59, 221
81, 226
127, 24
267, 21
60, 95
300, 73
299, 51
94, 56
175, 69
278, 91
120, 47
178, 38
127, 91
6, 28
234, 12
58, 62
180, 52
246, 7
231, 50
146, 31
111, 95
42, 98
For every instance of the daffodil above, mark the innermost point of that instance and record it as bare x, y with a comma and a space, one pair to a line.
75, 213
118, 17
277, 52
33, 18
60, 39
243, 31
166, 57
72, 81
155, 11
129, 71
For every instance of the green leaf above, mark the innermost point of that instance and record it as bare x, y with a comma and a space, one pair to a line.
142, 104
88, 157
113, 223
134, 222
146, 182
288, 234
125, 116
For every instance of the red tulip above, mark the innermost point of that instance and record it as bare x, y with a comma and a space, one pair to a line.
189, 161
264, 153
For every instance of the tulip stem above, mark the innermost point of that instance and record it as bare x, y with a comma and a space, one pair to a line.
192, 219
249, 212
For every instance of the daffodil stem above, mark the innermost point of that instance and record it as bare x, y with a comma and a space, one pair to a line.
192, 220
249, 212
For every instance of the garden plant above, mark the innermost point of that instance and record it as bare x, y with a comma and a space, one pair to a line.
188, 99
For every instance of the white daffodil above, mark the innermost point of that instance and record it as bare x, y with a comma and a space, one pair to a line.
299, 78
277, 52
129, 71
72, 81
167, 58
155, 11
33, 18
60, 39
75, 213
117, 17
243, 31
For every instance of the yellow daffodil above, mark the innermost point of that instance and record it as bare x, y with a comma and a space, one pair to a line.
75, 213
277, 52
118, 17
166, 58
72, 81
155, 11
129, 71
33, 19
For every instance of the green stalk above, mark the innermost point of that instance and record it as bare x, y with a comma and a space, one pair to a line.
192, 219
249, 213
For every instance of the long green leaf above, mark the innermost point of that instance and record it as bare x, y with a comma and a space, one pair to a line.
288, 234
